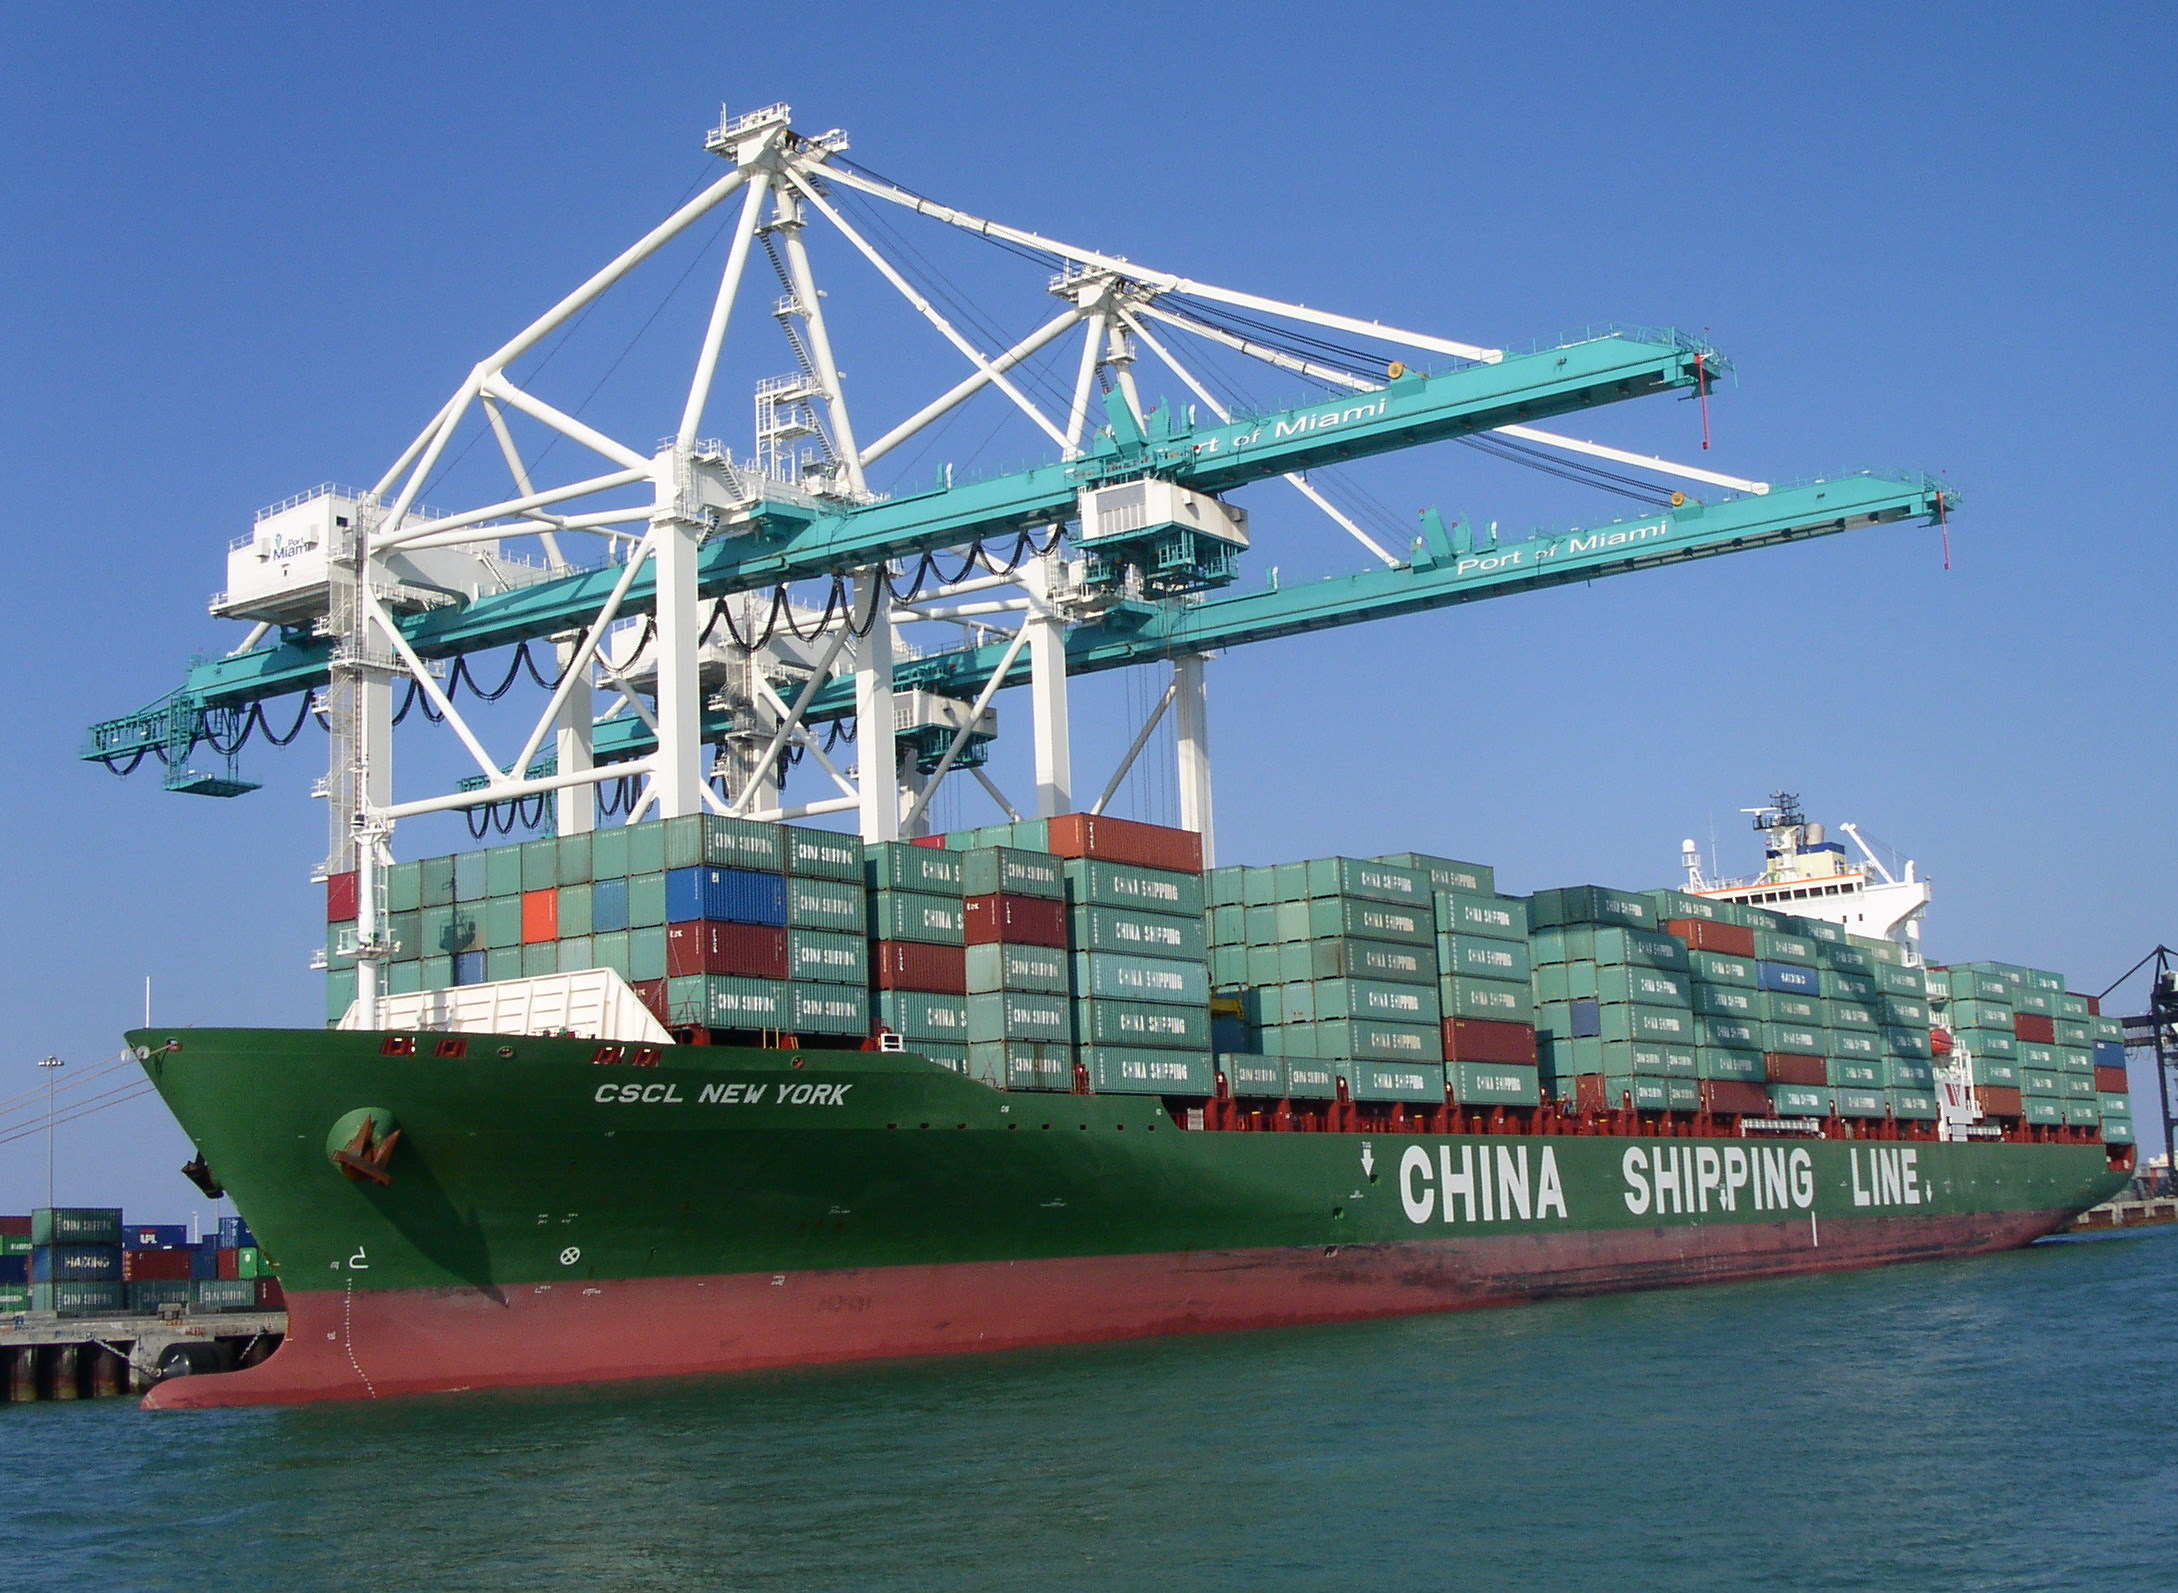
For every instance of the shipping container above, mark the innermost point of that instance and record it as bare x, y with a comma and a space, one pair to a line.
1728, 1001
1026, 1015
1848, 959
935, 970
1135, 1023
1485, 1040
921, 1015
1369, 1039
1445, 874
1491, 1084
1787, 1067
1860, 1073
144, 1298
223, 1294
1342, 957
827, 1008
1800, 1100
1779, 1006
75, 1262
1021, 1065
1729, 1034
1490, 999
1590, 904
1369, 998
1104, 973
1122, 1070
76, 1225
719, 1002
151, 1236
1491, 917
1253, 1077
1787, 976
1009, 871
73, 1297
1096, 883
1716, 968
2035, 1027
1018, 921
1723, 939
1743, 1067
1368, 1080
823, 854
912, 915
153, 1266
1474, 957
822, 903
1125, 841
1734, 1097
729, 895
435, 882
990, 969
822, 956
745, 951
903, 866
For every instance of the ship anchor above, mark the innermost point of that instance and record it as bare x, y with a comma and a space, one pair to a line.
363, 1155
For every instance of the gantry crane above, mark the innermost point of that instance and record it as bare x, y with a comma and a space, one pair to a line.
731, 605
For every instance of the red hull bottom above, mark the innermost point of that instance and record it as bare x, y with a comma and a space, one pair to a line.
373, 1344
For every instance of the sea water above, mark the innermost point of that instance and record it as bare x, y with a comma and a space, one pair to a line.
1996, 1423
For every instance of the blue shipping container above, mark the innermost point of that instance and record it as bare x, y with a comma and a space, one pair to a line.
2109, 1053
1587, 1019
204, 1260
75, 1263
234, 1234
14, 1269
472, 968
725, 895
155, 1236
609, 906
1789, 977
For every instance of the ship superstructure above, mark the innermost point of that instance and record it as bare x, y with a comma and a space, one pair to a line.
1808, 874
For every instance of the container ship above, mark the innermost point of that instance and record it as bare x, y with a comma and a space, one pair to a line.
693, 1083
1064, 1085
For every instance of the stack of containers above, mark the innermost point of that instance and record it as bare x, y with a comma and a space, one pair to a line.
1247, 958
75, 1260
1904, 1018
156, 1263
917, 932
1138, 953
1014, 921
2072, 1025
1343, 979
15, 1263
1976, 1008
2113, 1100
1614, 1012
1730, 1006
1485, 986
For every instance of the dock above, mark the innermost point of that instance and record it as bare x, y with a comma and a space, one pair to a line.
44, 1356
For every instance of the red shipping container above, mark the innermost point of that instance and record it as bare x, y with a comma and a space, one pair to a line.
1002, 920
937, 842
746, 951
1111, 840
270, 1296
2094, 1006
1998, 1100
540, 917
15, 1227
909, 965
1782, 1067
2111, 1081
1728, 940
230, 1264
155, 1266
652, 993
1487, 1040
1735, 1098
2033, 1026
340, 898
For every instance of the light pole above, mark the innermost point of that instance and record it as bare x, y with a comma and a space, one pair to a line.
52, 1065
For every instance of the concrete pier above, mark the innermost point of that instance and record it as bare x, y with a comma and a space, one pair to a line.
43, 1356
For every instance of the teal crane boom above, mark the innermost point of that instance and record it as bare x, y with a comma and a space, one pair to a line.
786, 542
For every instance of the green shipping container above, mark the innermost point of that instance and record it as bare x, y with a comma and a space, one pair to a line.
404, 978
904, 866
435, 882
1347, 958
541, 865
610, 950
2044, 1112
1369, 998
823, 956
1771, 946
503, 871
1728, 1034
1024, 1015
647, 901
1090, 883
577, 952
1474, 957
828, 1008
1106, 973
1782, 1006
1446, 874
719, 1002
505, 962
1846, 959
1854, 1073
1491, 999
1912, 1105
1130, 929
1021, 1065
574, 859
1491, 917
1908, 1073
1591, 904
1799, 1100
1862, 1103
823, 854
1009, 871
1989, 1042
1796, 1038
540, 959
1122, 1070
1741, 1067
1137, 1023
1893, 980
1310, 1080
1852, 1015
647, 952
917, 1015
404, 888
1393, 1081
1365, 878
574, 911
1715, 968
1040, 969
1254, 1077
339, 993
1374, 1041
1643, 1092
1855, 1044
1996, 1070
819, 903
912, 915
74, 1298
1491, 1084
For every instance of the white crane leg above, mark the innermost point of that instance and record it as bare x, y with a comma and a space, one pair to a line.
677, 769
1047, 694
877, 770
1192, 734
575, 806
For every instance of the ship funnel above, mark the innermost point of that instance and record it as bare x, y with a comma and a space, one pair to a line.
1814, 835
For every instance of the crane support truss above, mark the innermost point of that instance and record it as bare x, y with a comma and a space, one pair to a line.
687, 523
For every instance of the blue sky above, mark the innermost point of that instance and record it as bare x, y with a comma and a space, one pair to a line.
244, 252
